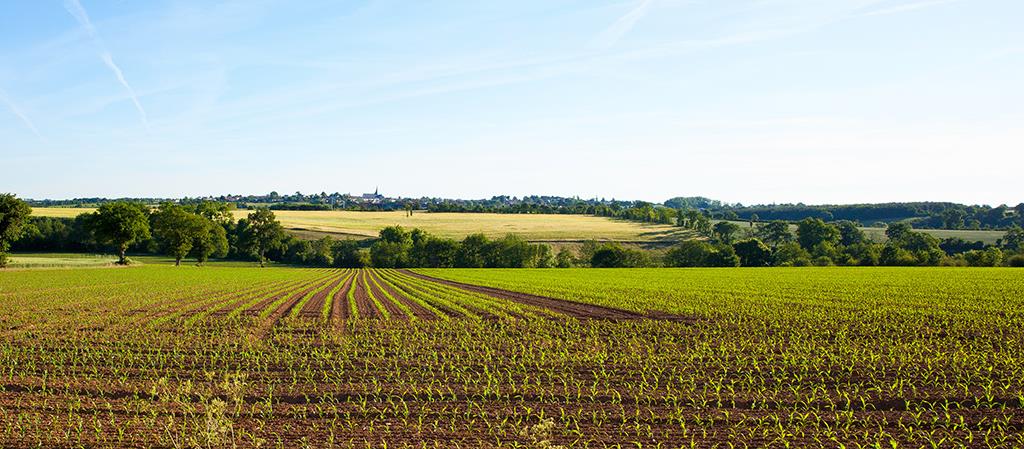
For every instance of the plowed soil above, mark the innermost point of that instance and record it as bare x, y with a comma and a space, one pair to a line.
365, 305
315, 305
339, 304
570, 308
417, 310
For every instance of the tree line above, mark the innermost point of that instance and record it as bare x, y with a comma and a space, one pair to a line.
203, 230
818, 243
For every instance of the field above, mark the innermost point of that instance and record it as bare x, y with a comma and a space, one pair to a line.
54, 260
554, 228
559, 229
156, 356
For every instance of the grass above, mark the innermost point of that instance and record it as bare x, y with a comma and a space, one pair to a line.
61, 260
76, 260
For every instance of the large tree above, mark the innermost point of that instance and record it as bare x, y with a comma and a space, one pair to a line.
849, 233
811, 232
120, 223
726, 231
176, 230
775, 233
753, 253
211, 241
13, 214
689, 253
898, 230
262, 233
1014, 239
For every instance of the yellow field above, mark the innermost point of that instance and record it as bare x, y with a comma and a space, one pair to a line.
554, 228
455, 225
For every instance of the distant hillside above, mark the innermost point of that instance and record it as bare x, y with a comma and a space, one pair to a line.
928, 215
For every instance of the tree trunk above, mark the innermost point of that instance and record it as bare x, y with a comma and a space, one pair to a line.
261, 259
124, 249
177, 262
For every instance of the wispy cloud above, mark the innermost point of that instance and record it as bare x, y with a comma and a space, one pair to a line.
21, 114
611, 35
906, 7
74, 7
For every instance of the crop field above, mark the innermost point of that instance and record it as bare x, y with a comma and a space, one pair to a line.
157, 356
535, 227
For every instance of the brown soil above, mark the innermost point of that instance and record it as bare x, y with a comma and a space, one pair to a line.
365, 305
394, 311
339, 304
315, 305
283, 308
570, 308
417, 310
440, 307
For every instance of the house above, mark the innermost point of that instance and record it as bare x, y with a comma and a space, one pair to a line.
374, 197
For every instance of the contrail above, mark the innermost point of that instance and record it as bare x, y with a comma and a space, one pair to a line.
611, 35
78, 12
109, 60
17, 111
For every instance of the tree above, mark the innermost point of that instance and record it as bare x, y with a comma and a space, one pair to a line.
471, 251
211, 241
849, 233
321, 252
953, 218
13, 215
612, 255
864, 254
896, 231
689, 253
213, 210
811, 232
989, 257
723, 256
775, 233
791, 254
262, 234
565, 258
177, 230
753, 253
894, 256
120, 224
510, 251
440, 253
1014, 239
726, 231
346, 254
392, 249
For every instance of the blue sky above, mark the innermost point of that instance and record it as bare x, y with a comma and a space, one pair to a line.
753, 101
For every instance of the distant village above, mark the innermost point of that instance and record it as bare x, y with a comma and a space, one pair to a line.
364, 201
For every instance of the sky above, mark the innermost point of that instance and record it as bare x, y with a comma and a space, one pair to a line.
750, 101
